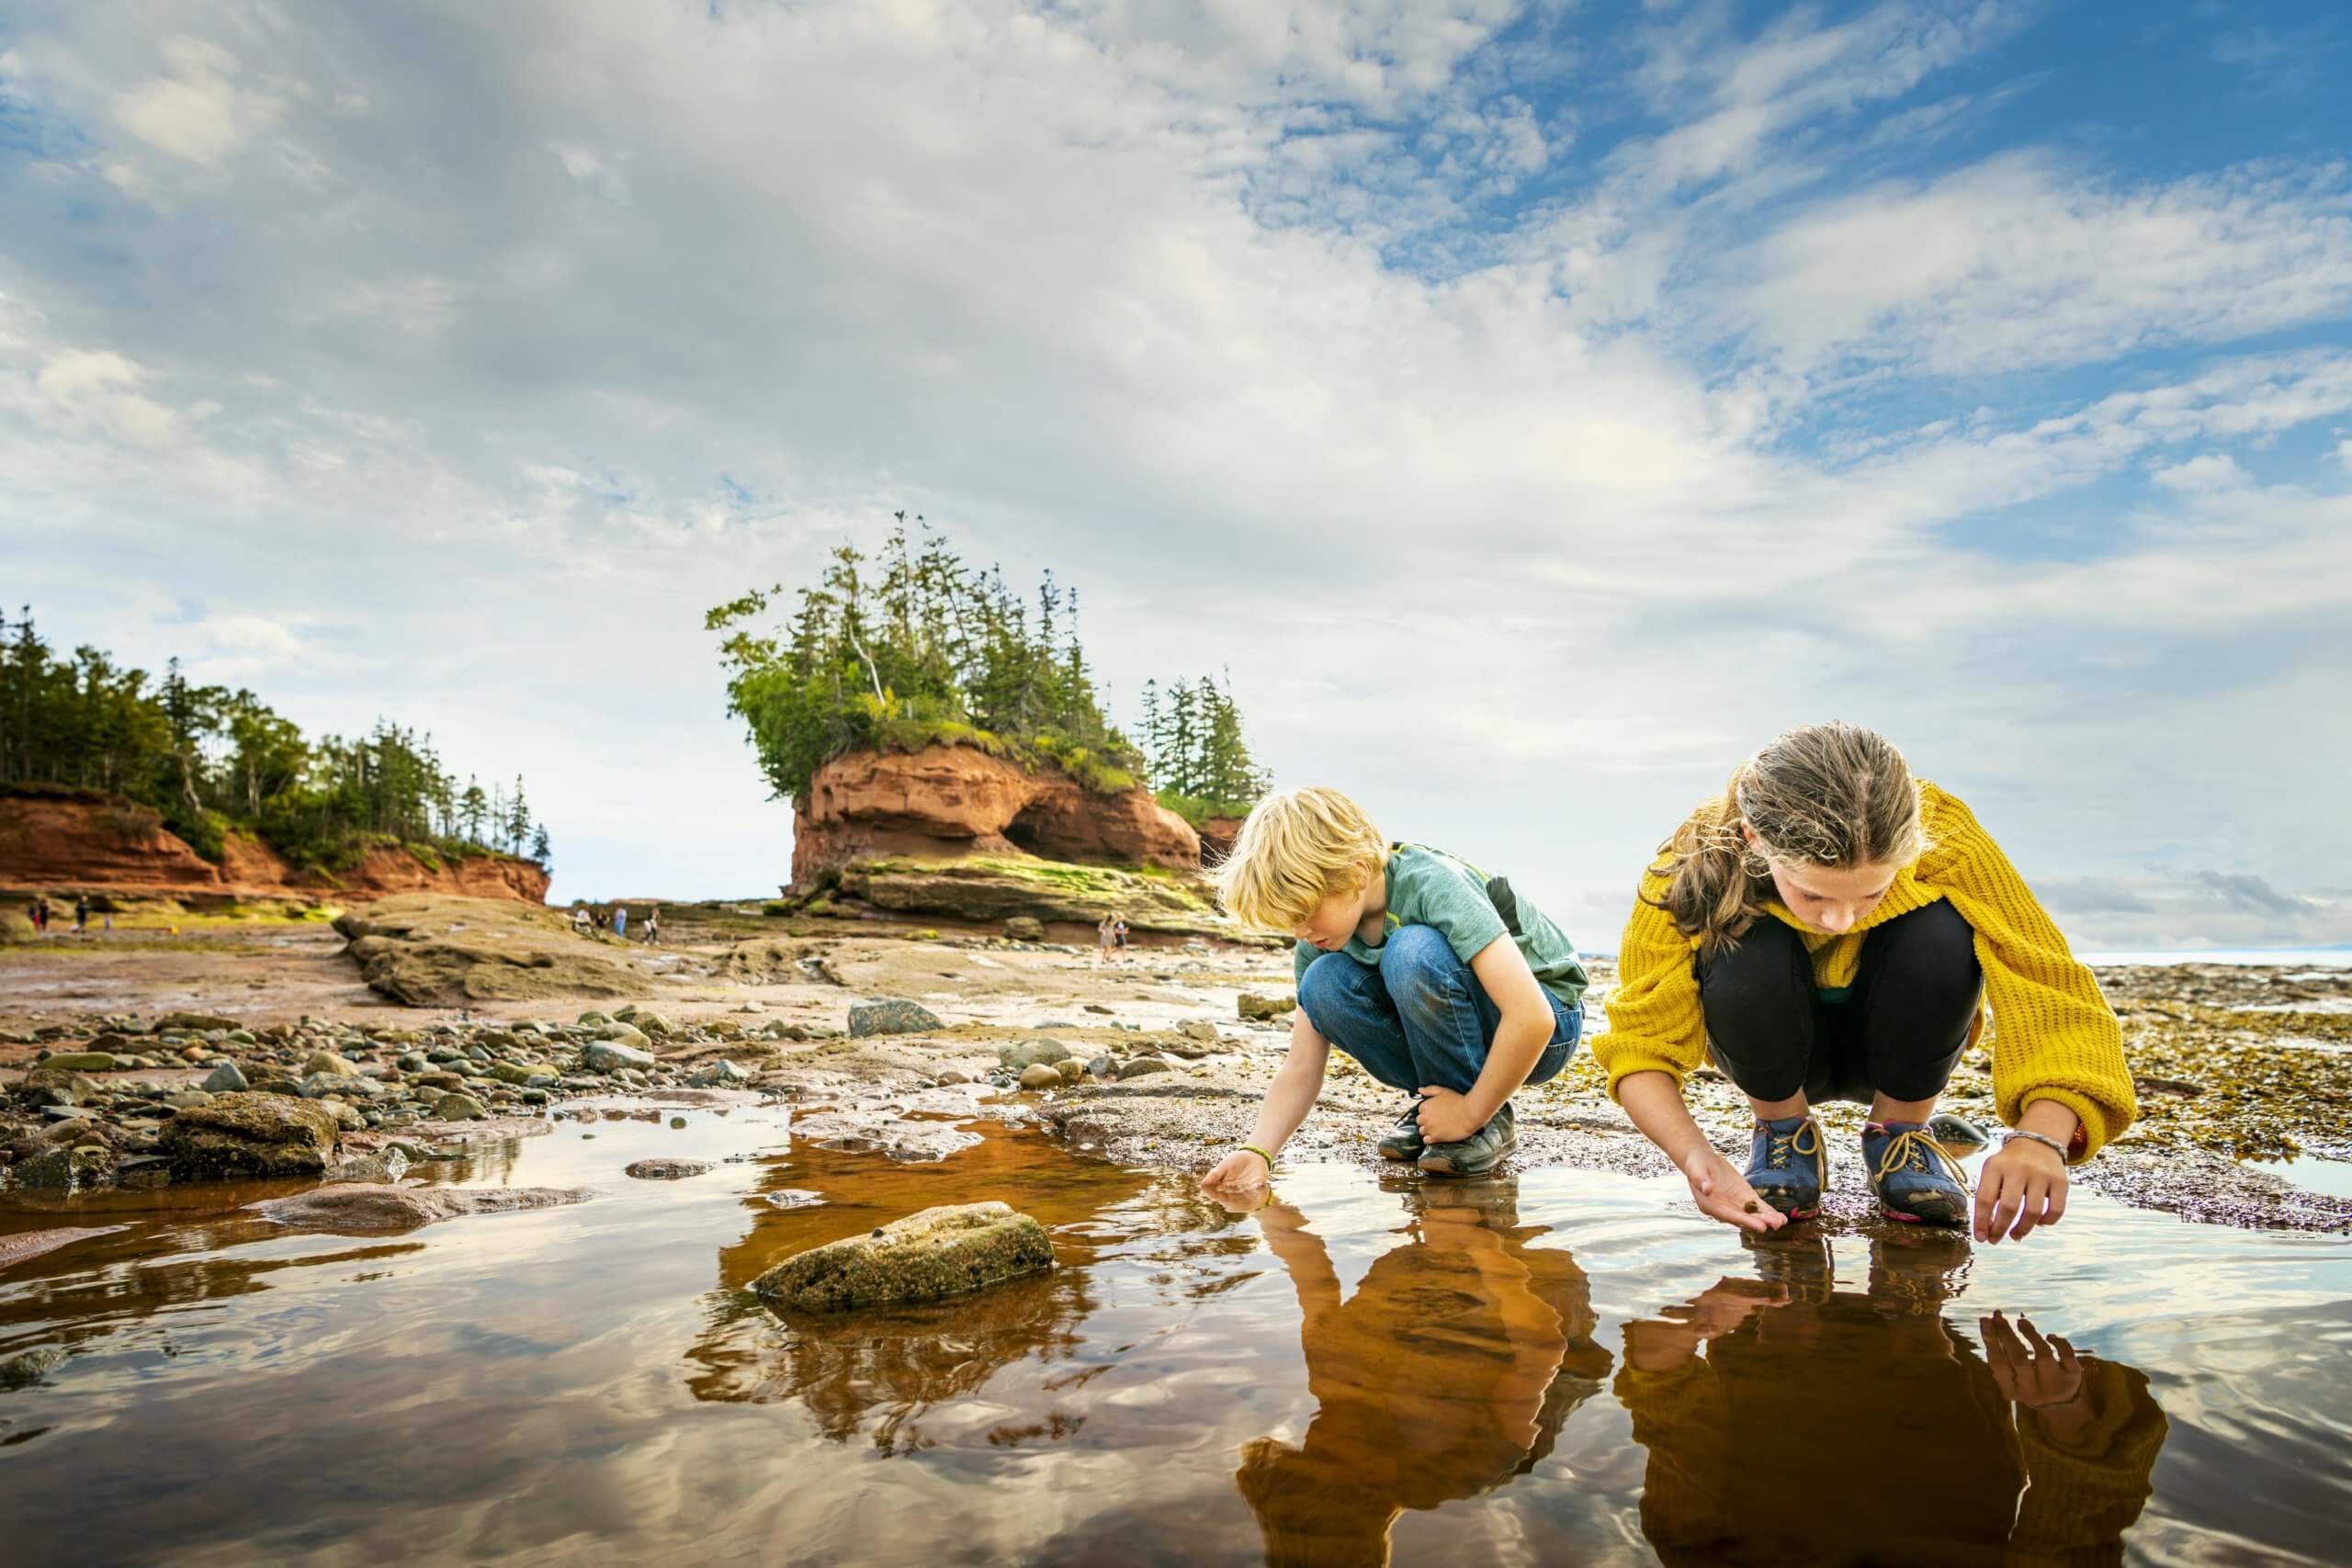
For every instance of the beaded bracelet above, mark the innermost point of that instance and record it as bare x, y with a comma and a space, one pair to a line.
2047, 1142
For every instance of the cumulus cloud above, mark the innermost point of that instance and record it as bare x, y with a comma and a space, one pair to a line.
1533, 420
2021, 262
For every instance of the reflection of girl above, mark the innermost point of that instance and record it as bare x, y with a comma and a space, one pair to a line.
1447, 1373
2031, 1451
1828, 929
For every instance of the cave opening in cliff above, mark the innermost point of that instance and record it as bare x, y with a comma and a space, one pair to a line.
1026, 833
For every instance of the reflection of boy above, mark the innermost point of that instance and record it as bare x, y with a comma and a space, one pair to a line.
1447, 1373
2032, 1450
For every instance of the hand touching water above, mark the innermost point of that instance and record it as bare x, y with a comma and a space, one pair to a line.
1723, 1193
2019, 1188
1237, 1172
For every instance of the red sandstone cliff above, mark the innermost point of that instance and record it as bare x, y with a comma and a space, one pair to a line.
948, 801
62, 845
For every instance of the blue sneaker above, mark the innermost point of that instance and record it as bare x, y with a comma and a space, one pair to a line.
1916, 1182
1788, 1167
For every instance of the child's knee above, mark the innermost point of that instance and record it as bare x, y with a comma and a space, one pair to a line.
1325, 987
1418, 967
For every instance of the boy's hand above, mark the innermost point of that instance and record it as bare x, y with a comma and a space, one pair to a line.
1723, 1194
1237, 1172
2021, 1187
1445, 1116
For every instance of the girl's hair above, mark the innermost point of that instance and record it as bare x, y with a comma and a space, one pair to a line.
1297, 849
1828, 795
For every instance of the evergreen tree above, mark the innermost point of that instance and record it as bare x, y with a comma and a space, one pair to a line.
913, 647
473, 811
539, 851
517, 830
205, 758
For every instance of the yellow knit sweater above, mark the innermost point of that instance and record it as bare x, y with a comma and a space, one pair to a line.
2053, 1035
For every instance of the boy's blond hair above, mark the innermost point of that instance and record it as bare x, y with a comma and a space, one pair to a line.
1297, 848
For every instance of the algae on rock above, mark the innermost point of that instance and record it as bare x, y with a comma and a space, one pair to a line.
937, 1253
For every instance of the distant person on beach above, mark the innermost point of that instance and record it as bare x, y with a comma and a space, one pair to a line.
620, 922
1440, 979
1827, 928
653, 926
40, 916
82, 915
580, 923
1119, 935
1103, 941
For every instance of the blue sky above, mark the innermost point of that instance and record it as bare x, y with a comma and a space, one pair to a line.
1537, 406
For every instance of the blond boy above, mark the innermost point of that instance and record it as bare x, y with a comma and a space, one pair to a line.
1435, 976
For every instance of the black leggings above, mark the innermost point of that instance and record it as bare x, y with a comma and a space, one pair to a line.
1898, 1031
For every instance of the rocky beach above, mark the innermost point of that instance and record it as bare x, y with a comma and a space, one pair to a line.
422, 1019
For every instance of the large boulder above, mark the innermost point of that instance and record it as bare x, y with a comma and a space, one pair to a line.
252, 1134
612, 1056
1265, 1010
45, 1085
1032, 1053
82, 1062
891, 1015
925, 1257
66, 1169
431, 950
367, 1207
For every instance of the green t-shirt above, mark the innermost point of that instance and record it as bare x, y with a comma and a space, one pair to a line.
1428, 888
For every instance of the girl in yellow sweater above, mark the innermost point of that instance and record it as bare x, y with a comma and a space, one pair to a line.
1829, 929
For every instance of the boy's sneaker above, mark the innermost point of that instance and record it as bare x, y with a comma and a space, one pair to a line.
1477, 1154
1916, 1182
1405, 1143
1788, 1165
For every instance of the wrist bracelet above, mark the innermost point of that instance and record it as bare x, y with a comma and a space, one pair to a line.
2014, 1134
1253, 1148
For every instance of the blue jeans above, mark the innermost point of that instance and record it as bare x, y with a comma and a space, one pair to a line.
1421, 1018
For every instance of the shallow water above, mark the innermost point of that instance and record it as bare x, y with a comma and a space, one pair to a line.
1559, 1366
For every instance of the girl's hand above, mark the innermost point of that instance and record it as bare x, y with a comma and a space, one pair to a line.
1237, 1172
1723, 1194
2040, 1377
2019, 1188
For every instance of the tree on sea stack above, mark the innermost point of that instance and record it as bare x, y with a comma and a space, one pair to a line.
910, 646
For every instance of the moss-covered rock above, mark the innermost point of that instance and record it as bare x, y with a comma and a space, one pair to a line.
433, 950
83, 1062
925, 1257
1000, 888
252, 1134
67, 1169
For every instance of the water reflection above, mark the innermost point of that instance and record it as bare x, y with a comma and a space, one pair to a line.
1787, 1420
878, 1370
1446, 1373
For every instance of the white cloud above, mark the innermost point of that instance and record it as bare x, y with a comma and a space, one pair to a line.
1520, 542
2020, 262
196, 112
2214, 472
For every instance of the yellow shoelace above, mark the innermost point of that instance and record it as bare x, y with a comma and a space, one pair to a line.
1781, 1145
1911, 1149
